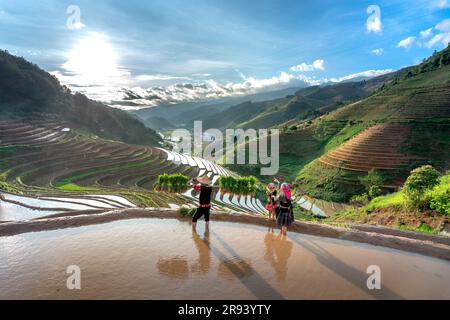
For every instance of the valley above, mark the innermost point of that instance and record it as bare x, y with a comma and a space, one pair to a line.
224, 150
331, 137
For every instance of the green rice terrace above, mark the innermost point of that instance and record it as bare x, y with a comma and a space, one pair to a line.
398, 122
48, 161
402, 125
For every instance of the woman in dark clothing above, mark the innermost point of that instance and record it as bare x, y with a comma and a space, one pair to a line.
286, 214
203, 184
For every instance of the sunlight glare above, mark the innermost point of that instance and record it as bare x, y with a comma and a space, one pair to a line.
93, 59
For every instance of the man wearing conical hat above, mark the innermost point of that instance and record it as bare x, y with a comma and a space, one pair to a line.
202, 184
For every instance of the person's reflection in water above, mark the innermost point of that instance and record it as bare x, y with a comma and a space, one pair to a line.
175, 268
178, 267
204, 252
278, 251
268, 241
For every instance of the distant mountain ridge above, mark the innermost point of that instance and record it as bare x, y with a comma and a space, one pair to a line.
207, 91
305, 103
26, 91
184, 114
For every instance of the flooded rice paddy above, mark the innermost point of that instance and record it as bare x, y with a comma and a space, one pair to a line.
25, 208
164, 259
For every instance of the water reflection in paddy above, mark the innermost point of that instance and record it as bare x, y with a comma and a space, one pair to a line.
13, 212
148, 259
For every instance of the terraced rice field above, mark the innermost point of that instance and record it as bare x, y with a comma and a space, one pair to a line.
18, 208
426, 103
48, 159
376, 147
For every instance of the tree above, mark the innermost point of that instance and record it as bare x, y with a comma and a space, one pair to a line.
372, 183
374, 191
418, 183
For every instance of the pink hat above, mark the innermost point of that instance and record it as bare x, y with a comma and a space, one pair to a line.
286, 188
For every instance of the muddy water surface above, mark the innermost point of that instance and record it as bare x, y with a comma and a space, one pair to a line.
164, 259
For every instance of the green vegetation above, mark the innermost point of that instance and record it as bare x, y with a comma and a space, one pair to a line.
68, 183
423, 190
360, 199
289, 168
434, 194
176, 183
349, 131
372, 183
373, 179
187, 212
419, 182
329, 183
436, 61
69, 186
430, 139
84, 133
395, 209
440, 196
424, 227
417, 98
8, 150
238, 186
395, 200
351, 215
5, 186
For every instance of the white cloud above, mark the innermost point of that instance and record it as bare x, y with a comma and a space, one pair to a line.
159, 77
406, 43
444, 25
363, 74
211, 89
138, 97
253, 83
319, 64
443, 37
201, 75
378, 52
374, 23
442, 4
426, 33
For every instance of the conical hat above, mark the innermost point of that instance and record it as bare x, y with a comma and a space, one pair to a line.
204, 180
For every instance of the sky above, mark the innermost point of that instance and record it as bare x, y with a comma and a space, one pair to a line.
179, 50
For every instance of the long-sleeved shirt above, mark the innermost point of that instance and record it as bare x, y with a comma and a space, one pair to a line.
205, 193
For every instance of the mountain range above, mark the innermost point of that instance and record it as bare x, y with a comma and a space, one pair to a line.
28, 92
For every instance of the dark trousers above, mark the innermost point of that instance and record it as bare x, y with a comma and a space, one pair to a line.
201, 212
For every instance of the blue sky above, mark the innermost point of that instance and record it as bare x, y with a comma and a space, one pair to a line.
164, 42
